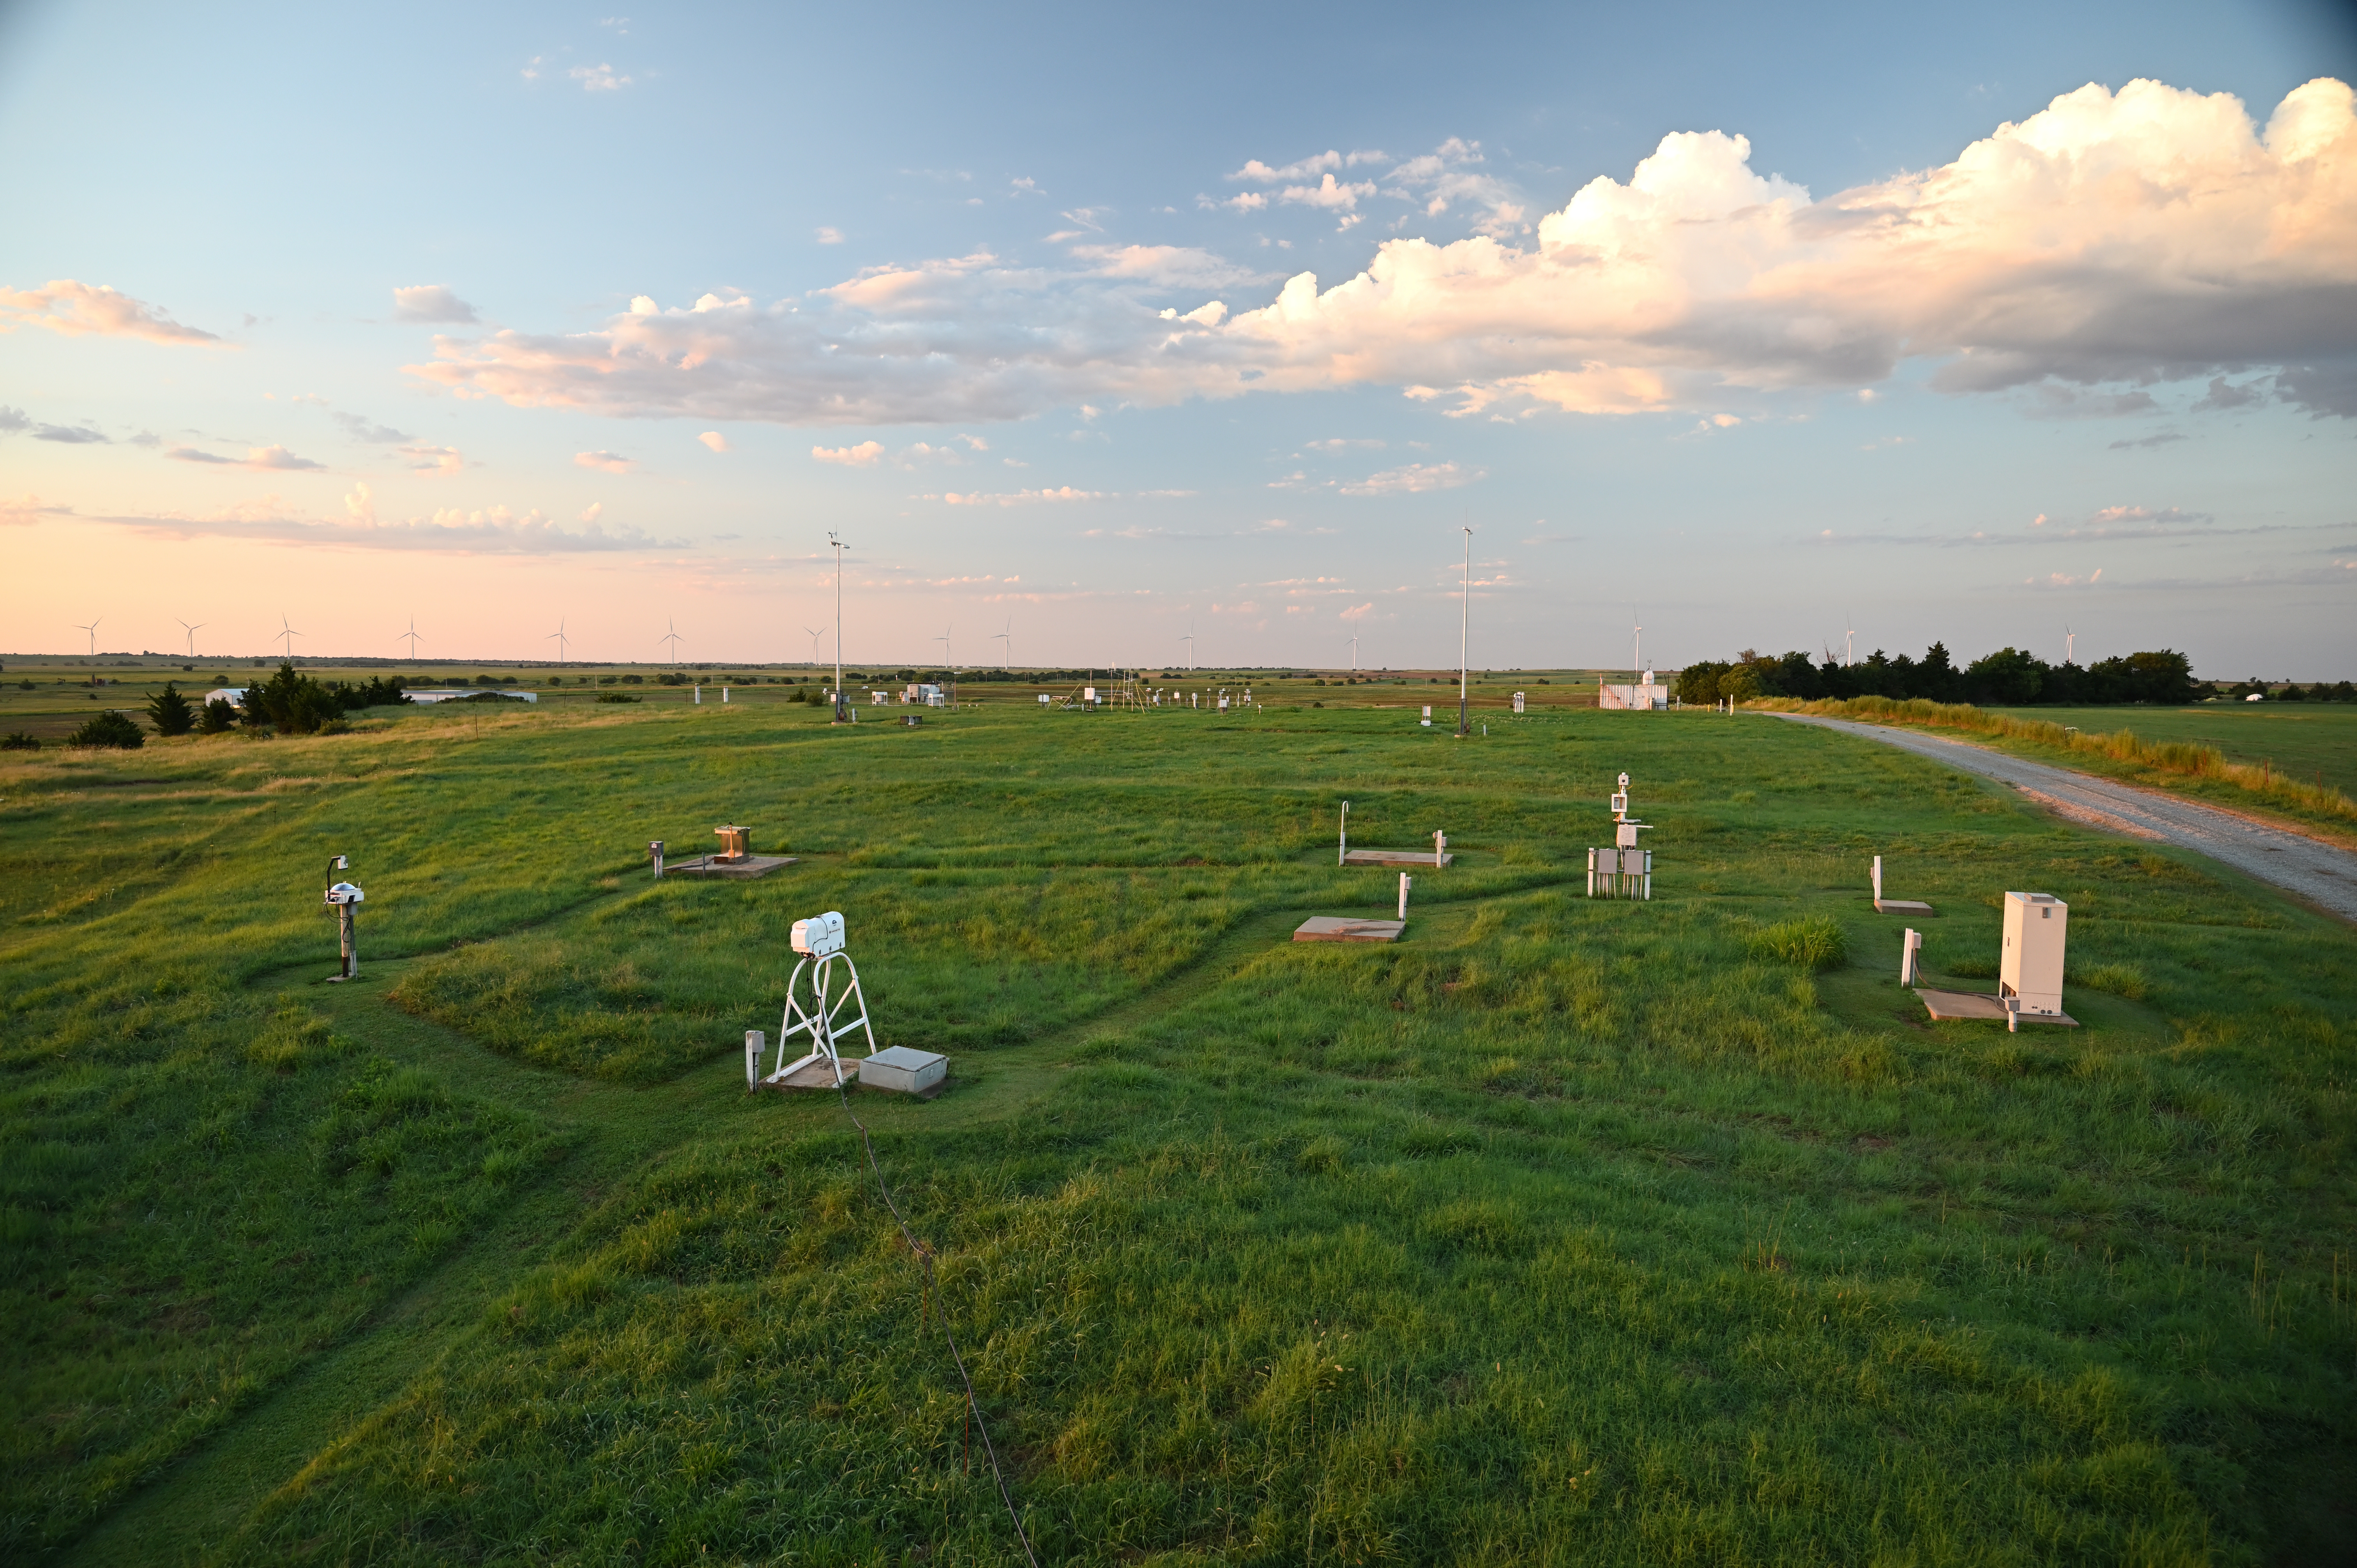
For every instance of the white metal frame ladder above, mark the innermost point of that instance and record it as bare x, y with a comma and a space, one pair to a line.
820, 1021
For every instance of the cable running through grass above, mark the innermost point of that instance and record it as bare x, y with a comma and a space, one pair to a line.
924, 1257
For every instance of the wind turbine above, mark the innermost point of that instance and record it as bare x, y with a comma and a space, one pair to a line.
1189, 641
1354, 655
949, 657
410, 636
671, 635
192, 637
559, 635
815, 633
1849, 643
1636, 642
289, 633
1007, 637
92, 629
2069, 643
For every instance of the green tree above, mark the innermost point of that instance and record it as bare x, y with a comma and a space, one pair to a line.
110, 728
219, 718
170, 713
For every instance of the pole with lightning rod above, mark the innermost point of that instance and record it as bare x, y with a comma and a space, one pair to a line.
1464, 626
842, 713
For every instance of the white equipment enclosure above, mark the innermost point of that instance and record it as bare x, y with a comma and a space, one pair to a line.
820, 1021
2030, 968
343, 900
1624, 871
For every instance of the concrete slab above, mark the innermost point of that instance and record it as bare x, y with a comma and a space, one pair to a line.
1393, 857
743, 870
1900, 906
1946, 1004
1334, 928
816, 1075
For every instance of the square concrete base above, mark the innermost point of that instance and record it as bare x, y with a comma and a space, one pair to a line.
1900, 906
1334, 928
816, 1075
1395, 857
744, 870
1946, 1004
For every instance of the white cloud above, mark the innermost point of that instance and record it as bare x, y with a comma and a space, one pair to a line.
437, 460
830, 236
76, 309
262, 458
430, 302
1260, 173
609, 462
599, 78
714, 440
2111, 240
488, 531
1023, 498
1359, 612
1326, 193
1415, 479
360, 427
1169, 266
867, 455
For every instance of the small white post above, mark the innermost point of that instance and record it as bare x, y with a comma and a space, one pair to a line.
1878, 879
699, 695
1403, 903
656, 849
1342, 850
723, 693
1911, 945
1439, 842
755, 1041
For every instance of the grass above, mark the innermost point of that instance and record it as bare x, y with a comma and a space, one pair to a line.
2313, 742
1562, 1232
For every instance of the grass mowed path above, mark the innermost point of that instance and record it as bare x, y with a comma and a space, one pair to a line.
1560, 1231
2311, 741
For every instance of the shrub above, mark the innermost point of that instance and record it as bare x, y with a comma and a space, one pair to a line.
611, 697
110, 728
19, 740
1813, 943
171, 712
219, 718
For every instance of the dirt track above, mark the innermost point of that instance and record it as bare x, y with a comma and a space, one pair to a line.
2320, 873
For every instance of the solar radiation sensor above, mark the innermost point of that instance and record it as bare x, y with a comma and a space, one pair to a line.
342, 899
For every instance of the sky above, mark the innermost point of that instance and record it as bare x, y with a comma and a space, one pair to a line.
1111, 335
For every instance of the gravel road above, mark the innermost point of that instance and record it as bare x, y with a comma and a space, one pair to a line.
2320, 873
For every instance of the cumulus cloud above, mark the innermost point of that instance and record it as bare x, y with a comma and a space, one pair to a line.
1172, 266
599, 78
15, 421
262, 458
76, 309
867, 455
2111, 242
607, 462
1415, 479
830, 236
714, 440
438, 460
430, 302
1023, 498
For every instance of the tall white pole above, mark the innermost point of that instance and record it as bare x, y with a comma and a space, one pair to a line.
1464, 625
837, 545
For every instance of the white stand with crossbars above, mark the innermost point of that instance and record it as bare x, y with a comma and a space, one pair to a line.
1624, 871
821, 1022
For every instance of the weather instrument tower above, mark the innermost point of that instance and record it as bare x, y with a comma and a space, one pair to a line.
842, 708
1624, 871
343, 901
1464, 626
831, 1015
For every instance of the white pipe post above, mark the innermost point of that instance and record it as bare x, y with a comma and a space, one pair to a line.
1439, 842
755, 1041
1878, 879
1464, 624
1403, 903
1342, 849
698, 689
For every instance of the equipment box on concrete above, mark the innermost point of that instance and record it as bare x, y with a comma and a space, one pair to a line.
2030, 966
904, 1070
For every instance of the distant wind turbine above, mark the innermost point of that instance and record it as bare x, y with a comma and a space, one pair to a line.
1189, 641
1354, 656
410, 636
2070, 644
948, 656
192, 635
559, 635
670, 636
1007, 637
815, 633
1636, 642
1849, 643
92, 629
288, 632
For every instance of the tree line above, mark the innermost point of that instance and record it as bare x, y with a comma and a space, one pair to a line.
2009, 678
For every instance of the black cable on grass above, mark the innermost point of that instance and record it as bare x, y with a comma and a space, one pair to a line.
924, 1257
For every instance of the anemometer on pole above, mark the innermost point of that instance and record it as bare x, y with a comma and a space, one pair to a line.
344, 900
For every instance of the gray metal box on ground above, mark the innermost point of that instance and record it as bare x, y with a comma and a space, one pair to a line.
904, 1070
2030, 966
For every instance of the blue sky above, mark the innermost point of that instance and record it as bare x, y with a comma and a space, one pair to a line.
353, 319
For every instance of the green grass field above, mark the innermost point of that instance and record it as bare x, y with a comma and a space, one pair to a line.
1500, 1245
2315, 741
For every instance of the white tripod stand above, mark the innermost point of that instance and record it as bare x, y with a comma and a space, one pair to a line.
821, 1022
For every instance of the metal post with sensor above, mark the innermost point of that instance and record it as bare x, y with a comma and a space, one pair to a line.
344, 900
1624, 871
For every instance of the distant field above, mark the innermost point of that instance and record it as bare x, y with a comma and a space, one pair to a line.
2313, 740
490, 1257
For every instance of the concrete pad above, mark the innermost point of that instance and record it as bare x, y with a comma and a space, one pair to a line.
1393, 857
814, 1074
743, 870
1334, 928
1900, 906
1947, 1004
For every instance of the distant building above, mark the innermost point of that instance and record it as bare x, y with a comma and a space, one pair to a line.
1641, 696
